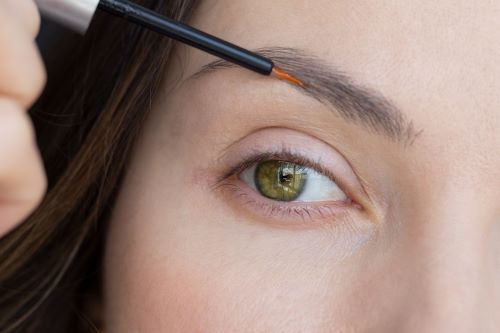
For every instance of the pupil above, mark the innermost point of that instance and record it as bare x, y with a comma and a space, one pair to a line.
284, 178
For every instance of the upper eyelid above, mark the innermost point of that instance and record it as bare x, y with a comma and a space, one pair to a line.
227, 149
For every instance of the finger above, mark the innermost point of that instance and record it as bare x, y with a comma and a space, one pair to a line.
22, 75
22, 178
25, 12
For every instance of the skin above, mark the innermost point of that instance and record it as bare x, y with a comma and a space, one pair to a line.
22, 77
418, 249
422, 253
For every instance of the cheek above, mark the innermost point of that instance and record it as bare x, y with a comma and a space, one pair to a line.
179, 260
181, 266
193, 278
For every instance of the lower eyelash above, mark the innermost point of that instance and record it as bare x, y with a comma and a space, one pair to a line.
304, 212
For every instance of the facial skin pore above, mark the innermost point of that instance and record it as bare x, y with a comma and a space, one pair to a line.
192, 247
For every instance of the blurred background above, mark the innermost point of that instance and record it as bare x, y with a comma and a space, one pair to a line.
56, 44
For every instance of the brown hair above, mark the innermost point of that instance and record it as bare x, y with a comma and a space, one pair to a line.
86, 125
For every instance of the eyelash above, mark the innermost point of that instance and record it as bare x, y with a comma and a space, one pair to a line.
303, 210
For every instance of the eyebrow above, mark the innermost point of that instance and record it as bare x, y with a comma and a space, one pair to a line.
331, 87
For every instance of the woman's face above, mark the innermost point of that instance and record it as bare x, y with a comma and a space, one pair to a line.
367, 201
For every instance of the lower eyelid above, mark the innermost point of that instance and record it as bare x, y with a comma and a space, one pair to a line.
288, 213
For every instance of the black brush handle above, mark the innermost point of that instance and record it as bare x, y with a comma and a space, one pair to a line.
188, 35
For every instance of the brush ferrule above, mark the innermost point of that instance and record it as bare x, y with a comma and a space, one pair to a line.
74, 14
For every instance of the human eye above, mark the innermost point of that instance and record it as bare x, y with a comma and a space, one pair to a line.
292, 180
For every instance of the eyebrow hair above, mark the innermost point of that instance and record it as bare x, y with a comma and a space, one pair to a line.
331, 87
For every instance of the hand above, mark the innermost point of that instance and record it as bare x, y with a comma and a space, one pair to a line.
22, 77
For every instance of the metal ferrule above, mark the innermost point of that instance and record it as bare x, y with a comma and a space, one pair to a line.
74, 14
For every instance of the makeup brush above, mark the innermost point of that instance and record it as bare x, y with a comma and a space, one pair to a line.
77, 15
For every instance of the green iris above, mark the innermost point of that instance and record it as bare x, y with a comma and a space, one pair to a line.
280, 180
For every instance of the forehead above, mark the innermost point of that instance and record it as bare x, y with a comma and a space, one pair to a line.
434, 60
407, 49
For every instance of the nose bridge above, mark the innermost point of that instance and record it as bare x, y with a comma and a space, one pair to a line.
451, 246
